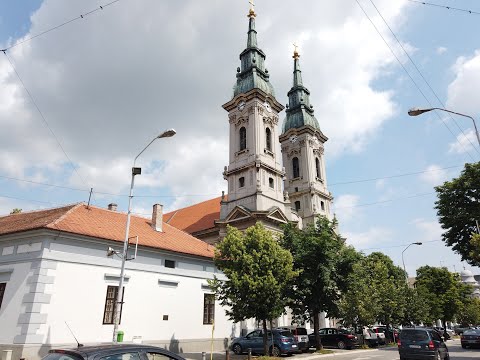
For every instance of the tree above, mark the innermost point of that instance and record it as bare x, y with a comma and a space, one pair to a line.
458, 209
15, 211
415, 308
475, 252
324, 263
258, 272
442, 291
469, 313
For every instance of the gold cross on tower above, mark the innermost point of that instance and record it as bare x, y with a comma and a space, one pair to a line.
252, 8
295, 51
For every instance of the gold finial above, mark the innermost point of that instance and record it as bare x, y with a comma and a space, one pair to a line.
296, 55
251, 13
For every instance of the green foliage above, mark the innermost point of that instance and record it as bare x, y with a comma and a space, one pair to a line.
469, 313
15, 211
416, 310
324, 263
442, 291
474, 254
458, 208
259, 271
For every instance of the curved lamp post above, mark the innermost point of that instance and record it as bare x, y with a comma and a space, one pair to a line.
135, 171
403, 261
416, 112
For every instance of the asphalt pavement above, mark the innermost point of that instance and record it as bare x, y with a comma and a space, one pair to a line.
388, 353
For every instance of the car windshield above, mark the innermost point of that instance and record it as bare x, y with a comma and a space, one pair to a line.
285, 333
417, 335
61, 356
301, 331
471, 332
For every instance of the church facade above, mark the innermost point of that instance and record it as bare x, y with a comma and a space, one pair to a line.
276, 174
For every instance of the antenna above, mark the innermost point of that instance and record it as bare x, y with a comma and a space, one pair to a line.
78, 344
89, 197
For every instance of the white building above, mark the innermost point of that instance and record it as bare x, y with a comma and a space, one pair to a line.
54, 271
469, 279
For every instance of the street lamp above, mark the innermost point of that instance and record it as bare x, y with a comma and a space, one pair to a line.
416, 112
403, 261
135, 171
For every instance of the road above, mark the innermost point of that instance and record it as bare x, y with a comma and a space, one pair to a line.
456, 353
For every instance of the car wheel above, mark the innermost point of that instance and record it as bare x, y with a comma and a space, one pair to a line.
275, 352
464, 346
341, 344
237, 349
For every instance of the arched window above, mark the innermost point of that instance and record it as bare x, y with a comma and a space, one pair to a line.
317, 166
322, 205
271, 183
241, 182
268, 139
296, 167
243, 138
297, 205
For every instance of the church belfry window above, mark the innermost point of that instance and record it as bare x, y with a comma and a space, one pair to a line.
271, 183
297, 205
296, 167
241, 182
317, 166
268, 139
243, 138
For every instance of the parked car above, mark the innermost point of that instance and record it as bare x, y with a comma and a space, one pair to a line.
442, 330
113, 352
460, 329
301, 336
470, 338
370, 337
283, 342
421, 343
392, 333
339, 338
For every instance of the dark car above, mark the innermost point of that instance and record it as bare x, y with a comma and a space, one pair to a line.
113, 352
470, 338
421, 343
339, 338
283, 342
301, 336
459, 330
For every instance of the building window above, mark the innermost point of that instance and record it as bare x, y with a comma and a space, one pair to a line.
243, 138
297, 205
322, 205
241, 182
268, 139
2, 292
271, 183
170, 264
296, 167
317, 166
208, 309
108, 313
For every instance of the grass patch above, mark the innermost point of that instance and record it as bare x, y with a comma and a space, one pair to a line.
364, 347
324, 351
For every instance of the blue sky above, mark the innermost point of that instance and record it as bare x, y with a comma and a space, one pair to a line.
106, 84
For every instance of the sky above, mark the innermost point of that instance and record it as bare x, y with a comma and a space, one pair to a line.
98, 89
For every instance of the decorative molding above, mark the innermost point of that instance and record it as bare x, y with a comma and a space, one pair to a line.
272, 120
116, 278
320, 151
294, 152
167, 283
251, 109
302, 142
244, 151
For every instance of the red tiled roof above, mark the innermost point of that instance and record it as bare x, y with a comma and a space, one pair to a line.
105, 224
195, 218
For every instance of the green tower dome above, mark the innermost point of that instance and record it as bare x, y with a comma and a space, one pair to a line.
299, 110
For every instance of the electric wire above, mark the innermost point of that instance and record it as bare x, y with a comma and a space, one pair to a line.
397, 246
43, 118
81, 16
423, 77
445, 7
411, 78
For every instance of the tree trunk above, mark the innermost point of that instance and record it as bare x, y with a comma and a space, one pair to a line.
387, 333
316, 328
265, 340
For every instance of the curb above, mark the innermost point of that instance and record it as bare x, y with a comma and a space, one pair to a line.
316, 356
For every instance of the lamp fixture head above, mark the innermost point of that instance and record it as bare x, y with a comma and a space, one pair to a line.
167, 133
418, 243
111, 251
417, 111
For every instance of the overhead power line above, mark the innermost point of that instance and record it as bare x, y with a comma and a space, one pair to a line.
446, 7
396, 246
410, 76
79, 17
421, 74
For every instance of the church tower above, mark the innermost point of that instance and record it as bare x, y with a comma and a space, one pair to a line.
303, 153
254, 174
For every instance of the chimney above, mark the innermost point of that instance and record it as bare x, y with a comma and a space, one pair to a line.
157, 217
112, 207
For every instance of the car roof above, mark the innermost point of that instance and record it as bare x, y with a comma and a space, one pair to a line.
104, 349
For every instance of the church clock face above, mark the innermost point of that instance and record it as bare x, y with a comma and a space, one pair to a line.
241, 106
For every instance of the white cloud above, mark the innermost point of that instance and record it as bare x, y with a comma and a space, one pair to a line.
441, 50
430, 230
106, 84
345, 207
373, 237
435, 175
464, 143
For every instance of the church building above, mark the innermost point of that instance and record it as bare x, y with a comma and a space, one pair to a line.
264, 185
